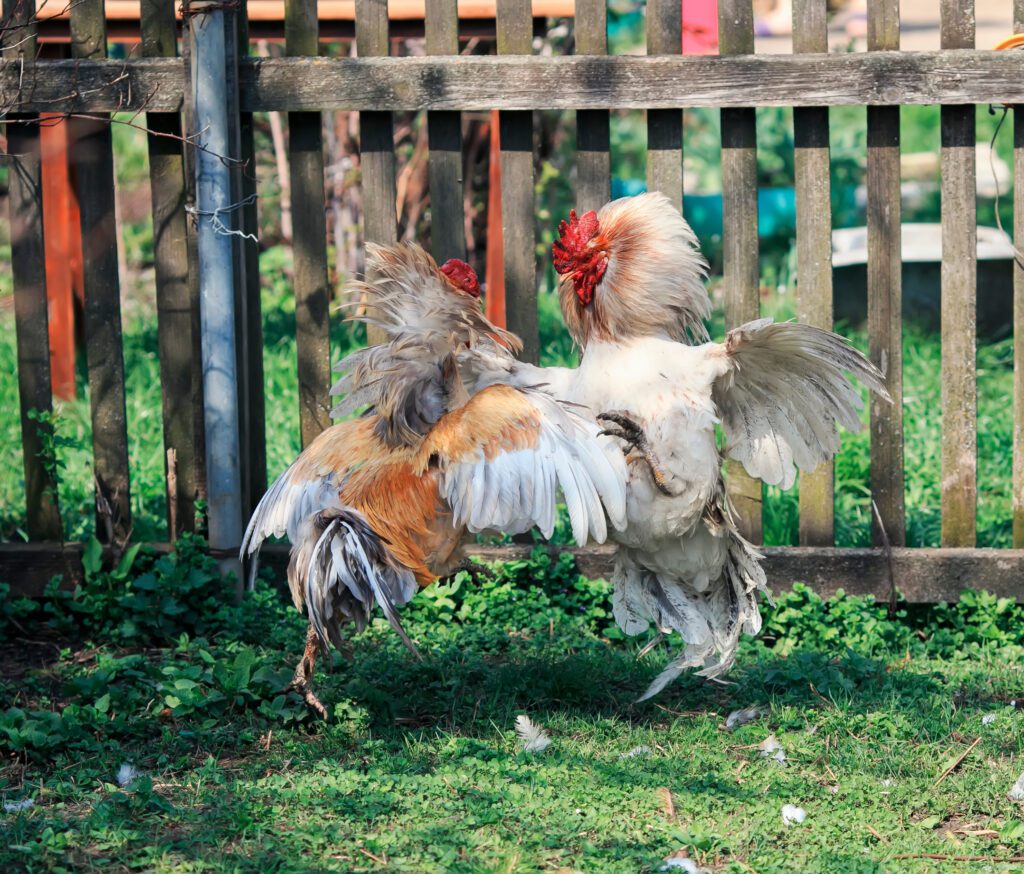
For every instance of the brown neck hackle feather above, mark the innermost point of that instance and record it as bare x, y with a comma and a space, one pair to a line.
634, 269
429, 313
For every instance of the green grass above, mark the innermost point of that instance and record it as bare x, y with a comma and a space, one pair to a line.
420, 769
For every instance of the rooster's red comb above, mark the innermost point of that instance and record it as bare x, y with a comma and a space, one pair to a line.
462, 276
573, 254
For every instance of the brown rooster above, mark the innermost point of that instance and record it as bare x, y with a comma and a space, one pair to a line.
379, 506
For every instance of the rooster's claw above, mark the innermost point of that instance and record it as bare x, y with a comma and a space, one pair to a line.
628, 430
633, 435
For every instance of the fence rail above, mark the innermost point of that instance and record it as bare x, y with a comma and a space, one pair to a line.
513, 81
924, 575
523, 82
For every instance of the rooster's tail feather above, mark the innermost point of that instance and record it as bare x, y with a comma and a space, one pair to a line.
710, 621
347, 571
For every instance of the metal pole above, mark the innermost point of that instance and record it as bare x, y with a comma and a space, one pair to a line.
216, 285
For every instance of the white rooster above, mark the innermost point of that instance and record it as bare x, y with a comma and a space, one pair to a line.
633, 298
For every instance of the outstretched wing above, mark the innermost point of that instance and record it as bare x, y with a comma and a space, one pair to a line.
310, 485
783, 391
506, 455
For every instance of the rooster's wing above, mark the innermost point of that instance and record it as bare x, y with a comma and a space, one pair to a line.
506, 454
783, 391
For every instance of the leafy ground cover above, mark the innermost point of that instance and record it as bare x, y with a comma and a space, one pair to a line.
420, 768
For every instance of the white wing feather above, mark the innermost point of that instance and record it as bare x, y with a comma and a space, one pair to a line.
783, 393
514, 491
287, 503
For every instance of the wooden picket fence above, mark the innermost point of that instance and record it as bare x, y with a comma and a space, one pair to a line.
88, 86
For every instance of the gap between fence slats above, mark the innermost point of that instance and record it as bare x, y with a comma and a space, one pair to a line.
665, 126
593, 137
742, 277
885, 283
959, 298
814, 253
515, 36
173, 298
444, 137
93, 169
309, 237
376, 141
192, 252
28, 268
253, 413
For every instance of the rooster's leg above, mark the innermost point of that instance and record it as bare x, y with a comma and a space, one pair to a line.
303, 677
476, 572
634, 437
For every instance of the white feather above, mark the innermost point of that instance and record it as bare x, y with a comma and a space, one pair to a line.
532, 736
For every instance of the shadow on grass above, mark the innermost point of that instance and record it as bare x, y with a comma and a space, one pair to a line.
457, 688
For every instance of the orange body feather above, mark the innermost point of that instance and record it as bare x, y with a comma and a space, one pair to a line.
397, 488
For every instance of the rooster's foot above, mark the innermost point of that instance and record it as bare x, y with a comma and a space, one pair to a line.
635, 439
303, 677
477, 573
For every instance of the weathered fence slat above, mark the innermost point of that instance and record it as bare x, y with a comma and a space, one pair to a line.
28, 267
1017, 499
593, 135
814, 253
481, 83
376, 141
252, 399
309, 237
742, 276
515, 36
959, 293
93, 166
665, 126
173, 296
885, 314
444, 137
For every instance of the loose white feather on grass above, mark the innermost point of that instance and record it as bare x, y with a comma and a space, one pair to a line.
126, 774
682, 863
636, 752
741, 717
772, 749
792, 814
533, 737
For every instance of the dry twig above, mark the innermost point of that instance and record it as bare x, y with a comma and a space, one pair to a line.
956, 764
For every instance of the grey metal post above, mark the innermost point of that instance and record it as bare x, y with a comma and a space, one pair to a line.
216, 285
